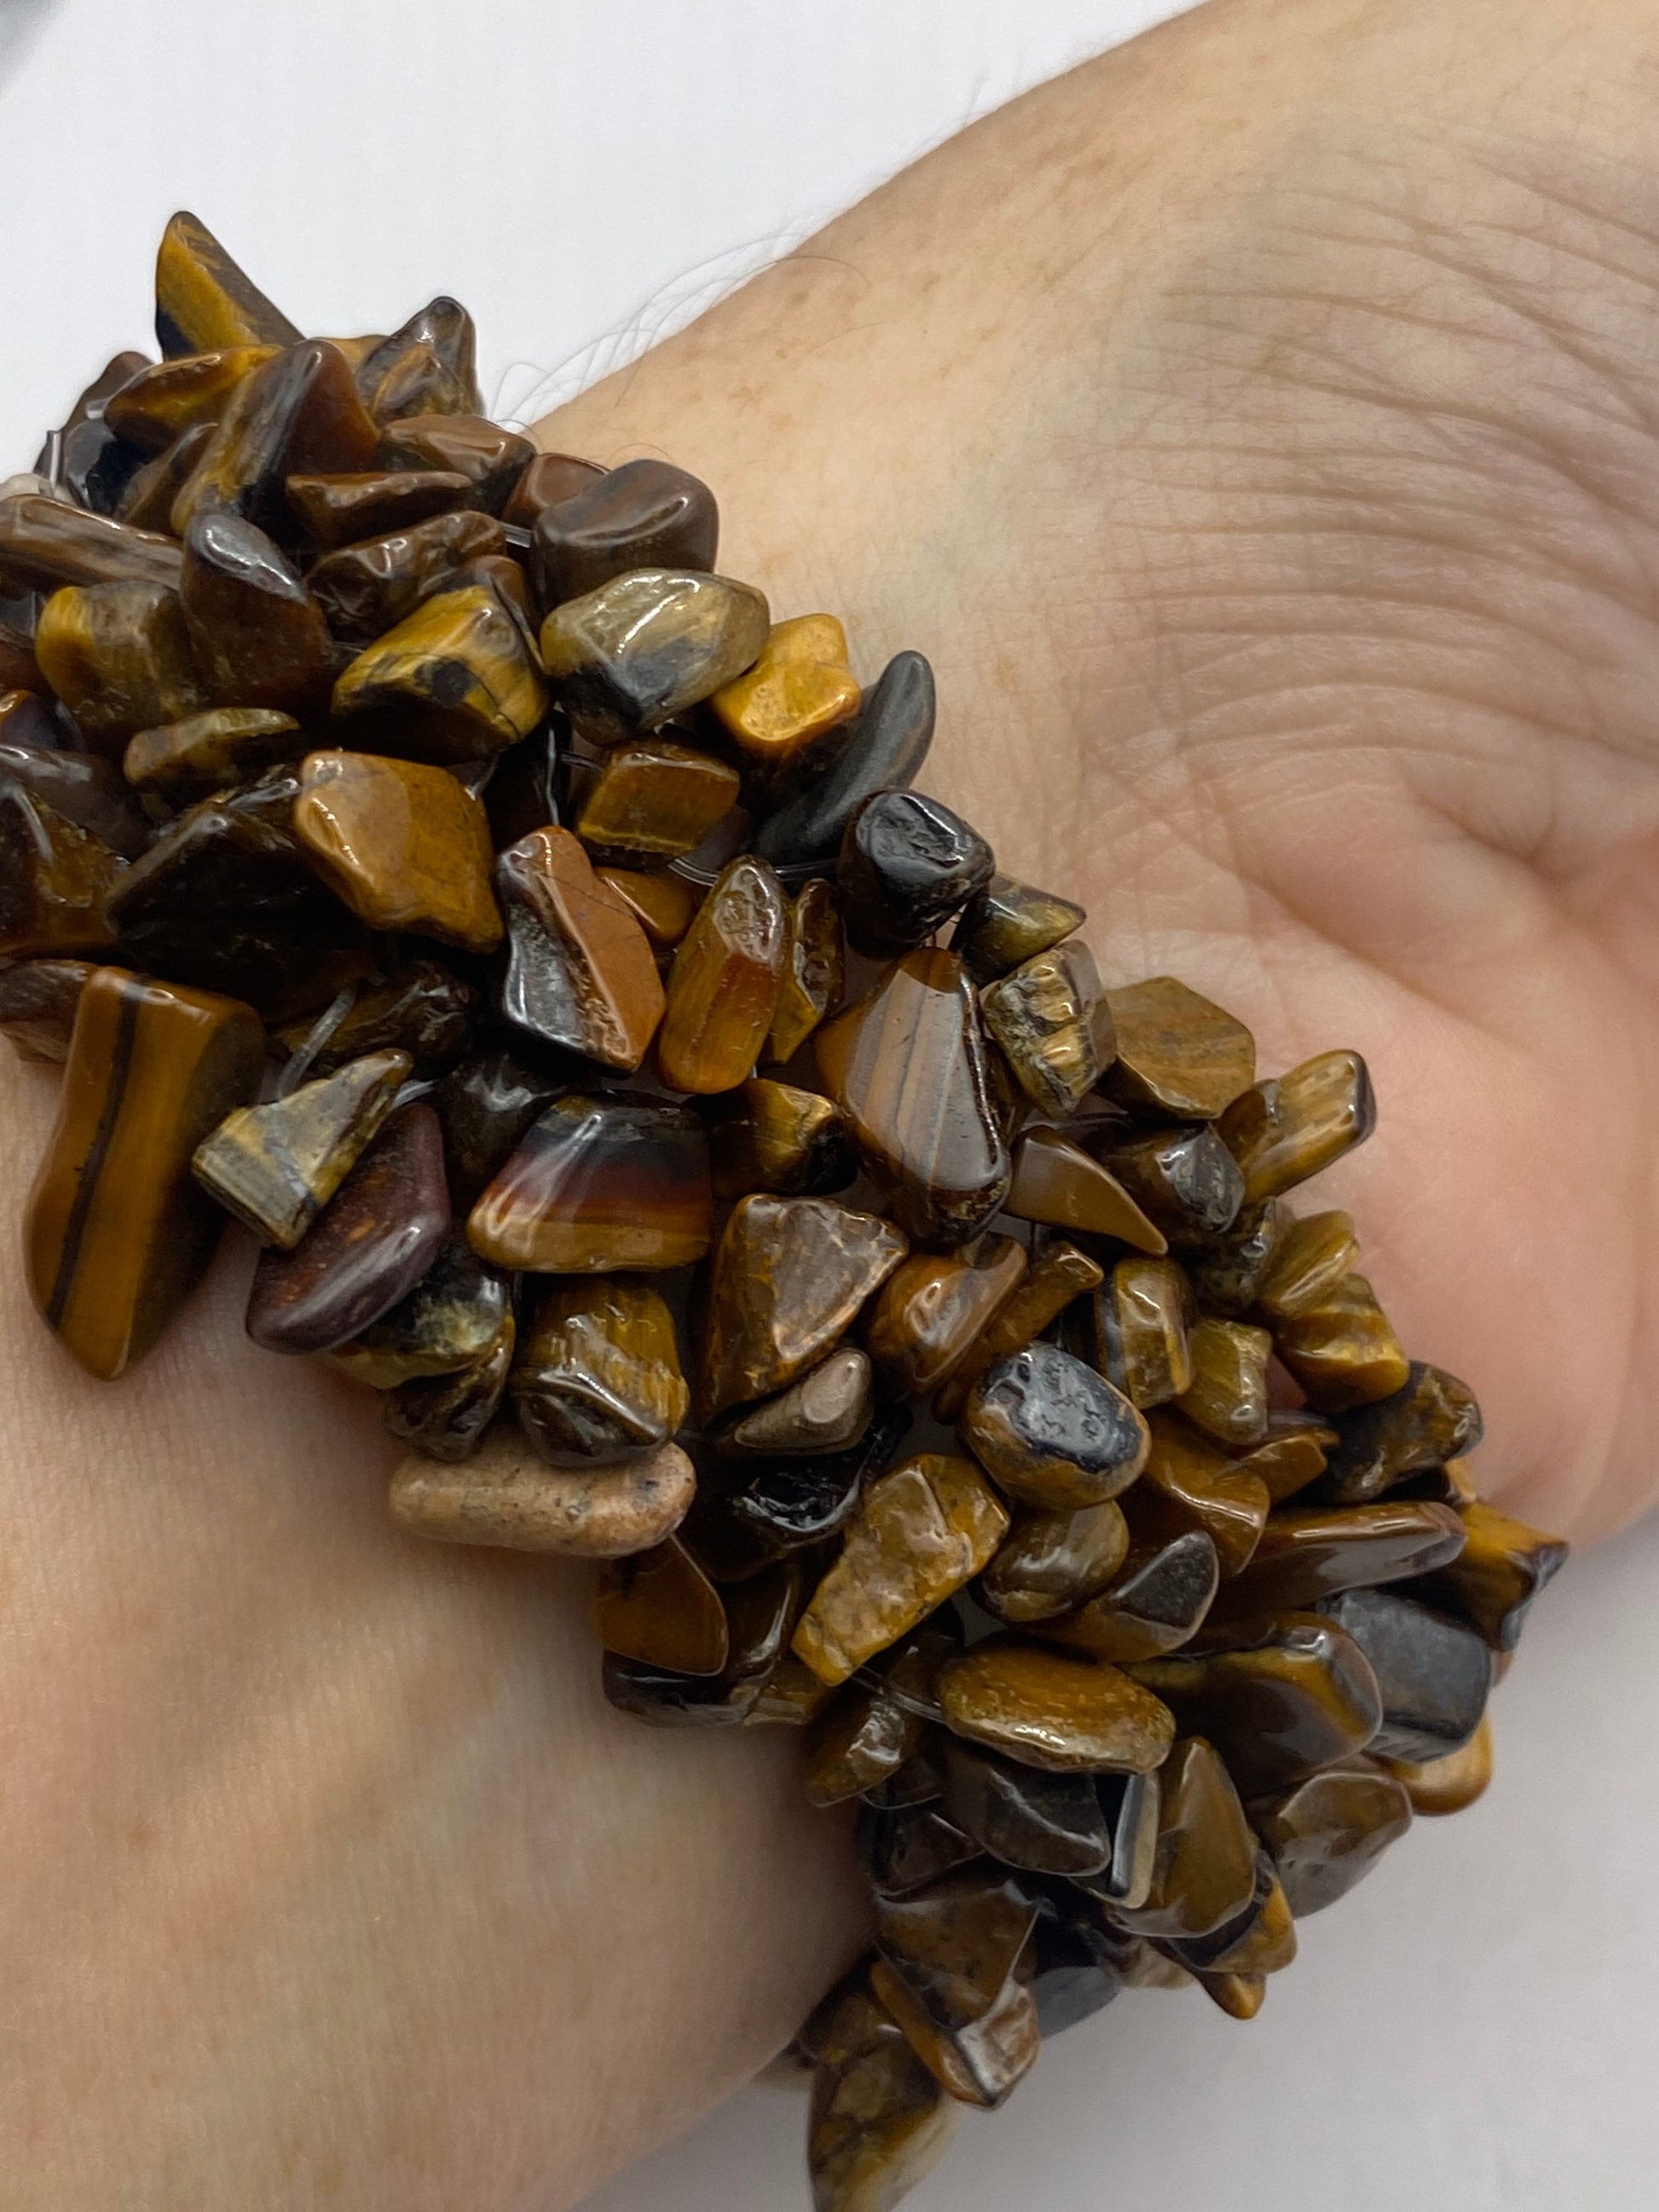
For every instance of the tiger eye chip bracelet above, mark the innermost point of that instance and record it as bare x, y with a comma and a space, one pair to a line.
412, 846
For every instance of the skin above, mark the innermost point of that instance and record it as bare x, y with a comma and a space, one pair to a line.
1266, 457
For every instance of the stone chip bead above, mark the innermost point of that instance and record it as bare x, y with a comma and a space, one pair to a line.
906, 864
930, 1311
642, 648
1227, 1397
1433, 1420
980, 2063
54, 877
205, 300
1057, 1182
168, 398
723, 987
491, 459
405, 847
368, 589
885, 752
658, 1608
1343, 1350
1054, 1562
665, 905
412, 1005
1305, 1556
1008, 924
428, 367
1057, 1274
859, 1739
187, 760
1143, 1319
921, 1532
600, 1184
453, 681
828, 1410
1056, 1710
654, 800
549, 479
1283, 1131
445, 1416
259, 637
1449, 1784
1308, 1257
276, 1166
1499, 1571
1185, 1179
1049, 1823
597, 1374
1157, 1602
800, 689
580, 971
1204, 1873
1192, 1482
1434, 1673
1177, 1052
46, 543
116, 1231
37, 1003
879, 2120
81, 788
814, 970
645, 514
297, 415
1051, 1018
771, 1136
119, 657
506, 1494
343, 510
1051, 1432
1327, 1833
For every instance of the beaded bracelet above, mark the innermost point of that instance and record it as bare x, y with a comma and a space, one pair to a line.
412, 847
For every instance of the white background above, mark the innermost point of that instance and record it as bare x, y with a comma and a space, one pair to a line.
1476, 2029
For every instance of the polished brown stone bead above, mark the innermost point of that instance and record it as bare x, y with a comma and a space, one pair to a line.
1309, 1259
1177, 1052
54, 876
799, 688
1227, 1274
46, 543
654, 800
1435, 1674
1205, 1864
955, 1943
486, 1107
428, 367
580, 971
1158, 1601
548, 481
828, 1410
366, 590
906, 1063
276, 1166
1295, 1696
1305, 1556
415, 1006
1051, 1432
403, 845
885, 752
1292, 1454
1056, 1182
1327, 1833
38, 1002
116, 1232
1185, 1179
1433, 1420
921, 1532
445, 1416
153, 490
205, 300
645, 514
1047, 1822
1008, 924
452, 1319
906, 1850
1239, 1995
772, 1137
259, 637
906, 864
1227, 1397
1260, 1941
1054, 1709
157, 407
723, 987
646, 646
298, 415
1449, 1785
88, 460
491, 459
383, 1228
931, 1310
1055, 1562
120, 658
879, 2119
186, 761
598, 1185
1343, 1351
660, 1607
597, 1375
1284, 1130
859, 1739
1058, 1273
1051, 1020
814, 969
454, 680
1143, 1318
1191, 1482
343, 510
1495, 1577
980, 2064
665, 905
506, 1494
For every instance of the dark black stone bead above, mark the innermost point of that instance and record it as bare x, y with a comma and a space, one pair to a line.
906, 864
1434, 1673
1049, 1823
884, 753
645, 514
802, 1502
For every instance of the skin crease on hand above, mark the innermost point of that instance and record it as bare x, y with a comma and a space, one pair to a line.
1257, 429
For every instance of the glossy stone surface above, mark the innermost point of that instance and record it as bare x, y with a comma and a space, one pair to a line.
152, 491
723, 987
770, 1136
1227, 1397
343, 510
597, 1375
37, 1003
491, 459
956, 1943
1433, 1420
879, 2120
1057, 1182
814, 970
1051, 1020
1191, 1482
1296, 1696
1284, 1130
275, 1167
428, 367
1327, 1833
116, 1232
120, 658
652, 801
796, 1503
645, 514
648, 645
405, 847
1204, 1868
506, 1494
1227, 1274
906, 864
1177, 1052
1435, 1674
203, 300
1308, 1554
46, 543
54, 876
156, 406
886, 753
298, 415
383, 1228
1058, 1273
599, 1184
445, 1416
1051, 1823
1051, 1432
921, 1531
1292, 1454
658, 1608
1450, 1784
1053, 1709
412, 1005
664, 906
259, 637
907, 1064
1008, 924
799, 688
547, 481
366, 590
1185, 1179
486, 1107
452, 1319
904, 1850
1157, 1602
1260, 1941
933, 1308
1492, 1581
454, 680
828, 1410
580, 971
186, 761
861, 1736
1052, 1563
1310, 1258
981, 2063
1131, 1805
1143, 1318
1343, 1350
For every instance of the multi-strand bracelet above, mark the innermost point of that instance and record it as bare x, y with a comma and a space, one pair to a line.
413, 847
